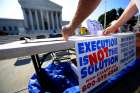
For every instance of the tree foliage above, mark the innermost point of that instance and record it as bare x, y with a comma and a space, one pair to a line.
114, 14
110, 16
120, 11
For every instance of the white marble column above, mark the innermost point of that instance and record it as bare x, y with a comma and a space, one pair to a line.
37, 20
52, 19
48, 20
42, 19
31, 20
60, 19
57, 21
25, 19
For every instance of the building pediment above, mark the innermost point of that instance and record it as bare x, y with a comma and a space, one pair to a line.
40, 4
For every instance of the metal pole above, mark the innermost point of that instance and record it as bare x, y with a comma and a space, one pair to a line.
105, 14
39, 73
35, 63
138, 23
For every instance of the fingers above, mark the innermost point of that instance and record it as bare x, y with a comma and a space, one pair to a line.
65, 37
106, 32
65, 33
109, 30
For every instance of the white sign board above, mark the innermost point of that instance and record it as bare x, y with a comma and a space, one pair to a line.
100, 58
97, 60
127, 48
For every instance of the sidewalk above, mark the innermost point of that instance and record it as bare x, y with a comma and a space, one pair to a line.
15, 74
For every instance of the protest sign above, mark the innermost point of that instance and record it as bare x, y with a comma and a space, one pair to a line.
97, 60
127, 48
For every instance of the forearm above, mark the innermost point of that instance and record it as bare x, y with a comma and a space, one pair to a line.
129, 12
84, 9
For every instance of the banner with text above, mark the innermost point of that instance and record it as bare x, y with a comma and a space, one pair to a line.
97, 60
127, 48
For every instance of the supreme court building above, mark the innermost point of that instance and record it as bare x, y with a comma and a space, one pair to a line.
41, 17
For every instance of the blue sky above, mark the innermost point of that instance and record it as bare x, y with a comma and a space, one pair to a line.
11, 8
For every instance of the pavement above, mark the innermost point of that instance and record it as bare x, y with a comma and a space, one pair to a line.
15, 74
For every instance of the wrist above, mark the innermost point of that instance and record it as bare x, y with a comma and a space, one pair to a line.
115, 26
73, 26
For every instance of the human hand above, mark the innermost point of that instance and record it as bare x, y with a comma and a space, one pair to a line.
110, 29
67, 31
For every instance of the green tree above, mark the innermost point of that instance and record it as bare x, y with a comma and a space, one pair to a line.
115, 14
132, 22
120, 11
110, 16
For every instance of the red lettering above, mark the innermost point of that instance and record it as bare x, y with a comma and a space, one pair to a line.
106, 51
100, 55
88, 85
84, 88
92, 59
93, 82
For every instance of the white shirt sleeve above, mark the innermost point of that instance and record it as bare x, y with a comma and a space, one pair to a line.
138, 4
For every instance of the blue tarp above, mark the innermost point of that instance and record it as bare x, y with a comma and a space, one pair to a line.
59, 77
64, 80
